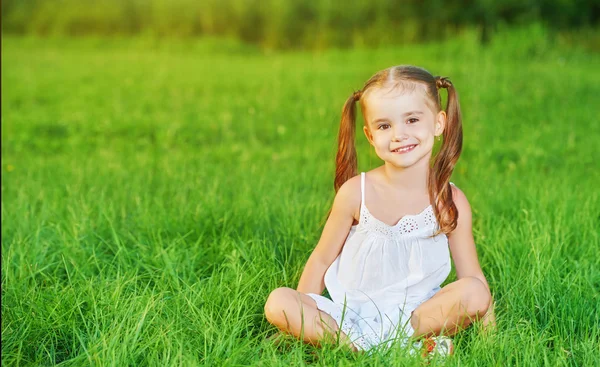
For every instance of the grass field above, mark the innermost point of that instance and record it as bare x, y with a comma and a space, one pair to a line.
154, 193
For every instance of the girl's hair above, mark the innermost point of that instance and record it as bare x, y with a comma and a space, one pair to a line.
444, 161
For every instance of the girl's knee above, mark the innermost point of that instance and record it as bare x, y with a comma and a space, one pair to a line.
476, 296
276, 303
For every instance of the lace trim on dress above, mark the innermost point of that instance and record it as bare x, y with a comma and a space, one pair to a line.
408, 223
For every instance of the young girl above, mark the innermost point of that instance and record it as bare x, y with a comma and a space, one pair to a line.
385, 249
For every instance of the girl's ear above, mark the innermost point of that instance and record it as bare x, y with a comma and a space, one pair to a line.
368, 134
440, 123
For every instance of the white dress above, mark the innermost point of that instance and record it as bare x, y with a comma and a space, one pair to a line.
383, 273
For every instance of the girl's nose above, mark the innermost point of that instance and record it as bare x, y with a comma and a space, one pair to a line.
399, 133
399, 136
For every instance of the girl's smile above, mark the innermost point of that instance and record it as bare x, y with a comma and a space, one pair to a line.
404, 149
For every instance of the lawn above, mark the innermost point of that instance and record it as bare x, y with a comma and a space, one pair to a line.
154, 192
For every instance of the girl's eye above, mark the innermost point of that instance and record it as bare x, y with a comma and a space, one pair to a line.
413, 120
383, 126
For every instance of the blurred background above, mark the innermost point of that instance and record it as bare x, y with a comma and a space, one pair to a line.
294, 24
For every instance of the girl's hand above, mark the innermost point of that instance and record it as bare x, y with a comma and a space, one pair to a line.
488, 322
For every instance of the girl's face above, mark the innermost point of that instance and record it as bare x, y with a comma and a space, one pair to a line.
402, 124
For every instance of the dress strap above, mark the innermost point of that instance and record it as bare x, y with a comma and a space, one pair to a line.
362, 188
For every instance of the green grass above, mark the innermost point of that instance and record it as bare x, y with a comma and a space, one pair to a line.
154, 193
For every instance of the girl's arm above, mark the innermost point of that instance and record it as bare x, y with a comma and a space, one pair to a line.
462, 248
333, 237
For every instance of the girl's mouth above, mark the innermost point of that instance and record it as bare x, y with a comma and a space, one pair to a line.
404, 149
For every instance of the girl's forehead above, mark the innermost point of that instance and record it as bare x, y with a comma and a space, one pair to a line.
397, 99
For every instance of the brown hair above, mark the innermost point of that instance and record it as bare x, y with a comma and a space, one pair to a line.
444, 161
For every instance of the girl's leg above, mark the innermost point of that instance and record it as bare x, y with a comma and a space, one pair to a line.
296, 313
453, 308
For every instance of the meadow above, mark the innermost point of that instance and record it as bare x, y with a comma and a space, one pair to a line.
155, 192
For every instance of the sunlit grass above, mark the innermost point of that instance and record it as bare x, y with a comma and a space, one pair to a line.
152, 196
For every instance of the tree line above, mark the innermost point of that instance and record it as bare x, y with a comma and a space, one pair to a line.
283, 24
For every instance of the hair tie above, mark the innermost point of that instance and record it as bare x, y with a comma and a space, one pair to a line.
442, 82
357, 94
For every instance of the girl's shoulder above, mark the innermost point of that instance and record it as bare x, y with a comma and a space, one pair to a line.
460, 199
353, 187
350, 190
462, 205
349, 196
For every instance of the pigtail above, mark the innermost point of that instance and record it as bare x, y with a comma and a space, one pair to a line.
346, 161
445, 160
